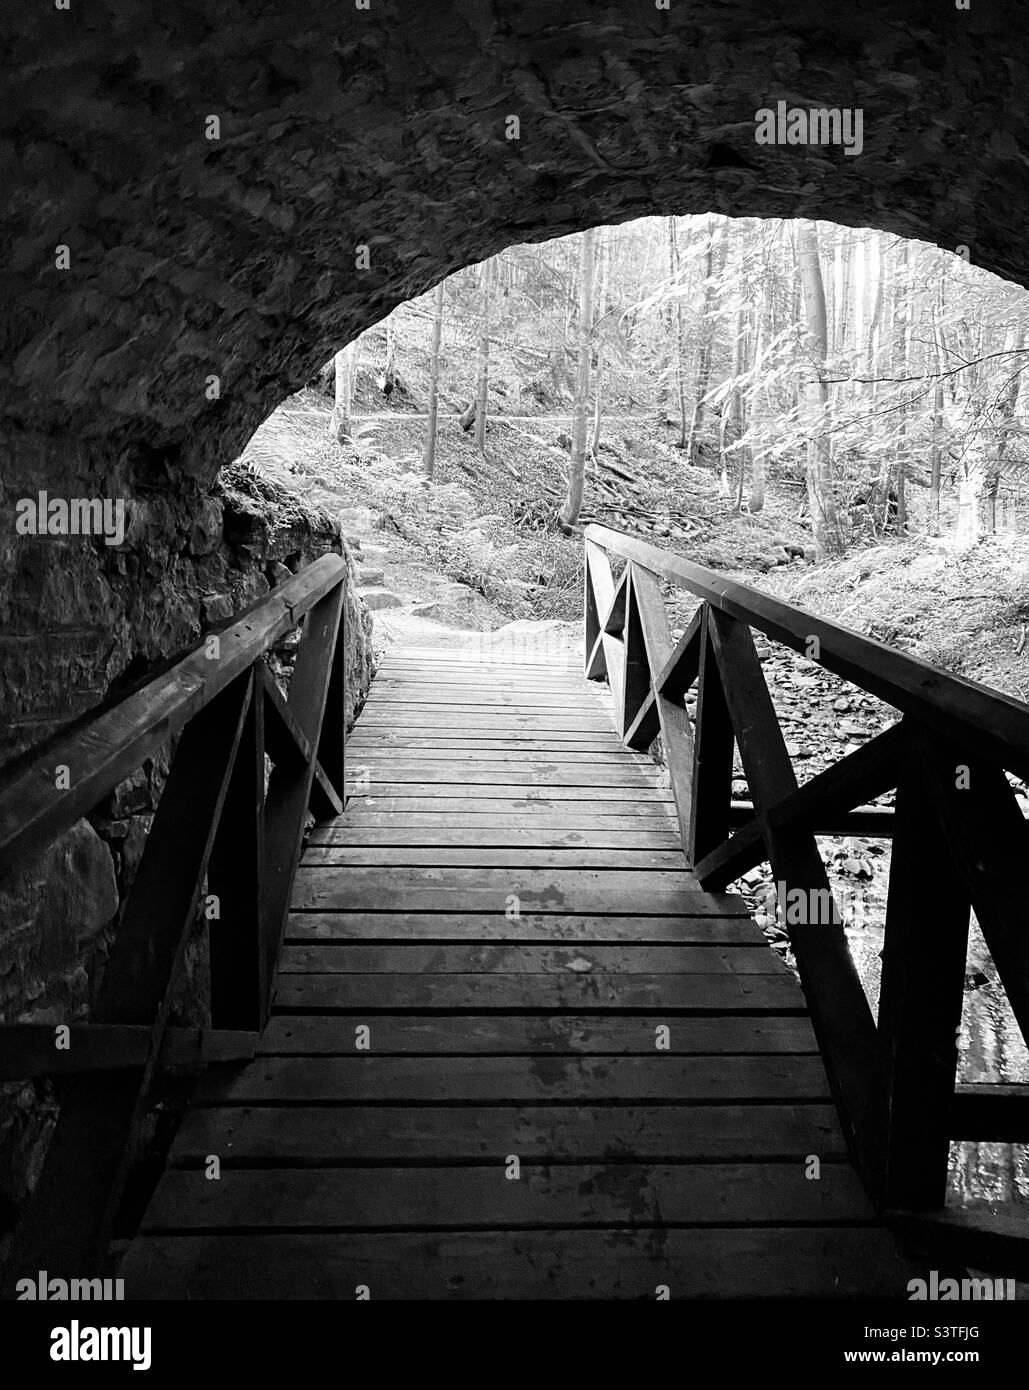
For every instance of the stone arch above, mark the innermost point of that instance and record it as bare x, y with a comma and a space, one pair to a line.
386, 127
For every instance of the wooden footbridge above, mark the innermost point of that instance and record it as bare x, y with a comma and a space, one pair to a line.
493, 1028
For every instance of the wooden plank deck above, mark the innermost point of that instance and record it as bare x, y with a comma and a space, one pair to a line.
499, 953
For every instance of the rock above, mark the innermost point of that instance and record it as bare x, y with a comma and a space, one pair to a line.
371, 577
376, 599
215, 608
276, 573
841, 703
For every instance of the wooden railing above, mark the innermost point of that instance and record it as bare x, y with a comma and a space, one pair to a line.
958, 835
223, 828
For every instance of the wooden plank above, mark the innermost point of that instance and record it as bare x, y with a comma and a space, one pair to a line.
625, 1036
474, 926
711, 782
578, 724
353, 837
555, 890
439, 756
996, 724
409, 957
66, 1228
114, 742
441, 857
556, 745
475, 773
922, 990
590, 1134
840, 1012
563, 802
480, 701
555, 1079
661, 994
525, 815
472, 684
704, 1263
480, 1197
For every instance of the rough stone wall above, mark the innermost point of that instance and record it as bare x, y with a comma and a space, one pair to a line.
59, 913
192, 258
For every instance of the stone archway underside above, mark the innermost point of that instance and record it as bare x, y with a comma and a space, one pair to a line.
386, 127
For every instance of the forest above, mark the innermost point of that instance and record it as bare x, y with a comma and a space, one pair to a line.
880, 379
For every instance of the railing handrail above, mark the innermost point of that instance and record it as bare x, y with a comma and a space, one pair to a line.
893, 1076
101, 752
996, 723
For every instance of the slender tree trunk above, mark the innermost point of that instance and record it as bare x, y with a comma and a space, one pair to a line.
429, 455
756, 500
680, 333
901, 362
875, 323
389, 373
938, 422
735, 404
824, 523
580, 406
715, 244
598, 384
482, 387
346, 379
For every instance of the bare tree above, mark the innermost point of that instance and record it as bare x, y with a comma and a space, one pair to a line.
346, 362
429, 455
714, 262
482, 380
822, 503
580, 406
680, 332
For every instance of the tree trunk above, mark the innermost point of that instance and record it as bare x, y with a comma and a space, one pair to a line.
482, 386
822, 503
346, 378
429, 455
389, 373
680, 333
901, 362
735, 404
977, 513
938, 422
711, 272
875, 322
598, 383
580, 406
756, 499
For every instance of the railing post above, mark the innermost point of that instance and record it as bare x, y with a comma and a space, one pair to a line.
289, 789
712, 758
598, 591
240, 985
332, 740
636, 674
922, 990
